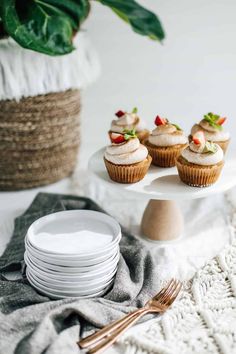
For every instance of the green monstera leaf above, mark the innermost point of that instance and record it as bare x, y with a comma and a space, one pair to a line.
46, 26
141, 20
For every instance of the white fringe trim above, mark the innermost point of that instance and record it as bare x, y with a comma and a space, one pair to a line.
25, 73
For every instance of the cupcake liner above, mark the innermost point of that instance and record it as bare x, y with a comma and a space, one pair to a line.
128, 173
164, 156
223, 144
142, 136
198, 175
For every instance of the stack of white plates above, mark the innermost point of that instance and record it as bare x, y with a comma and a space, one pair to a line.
72, 253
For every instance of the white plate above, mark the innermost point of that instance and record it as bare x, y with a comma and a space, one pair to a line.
58, 297
63, 292
52, 275
70, 264
64, 271
73, 258
74, 286
74, 232
68, 259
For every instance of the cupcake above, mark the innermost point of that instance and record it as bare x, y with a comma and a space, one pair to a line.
126, 159
212, 126
165, 143
200, 164
129, 121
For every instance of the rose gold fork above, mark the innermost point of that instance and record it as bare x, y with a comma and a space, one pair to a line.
105, 337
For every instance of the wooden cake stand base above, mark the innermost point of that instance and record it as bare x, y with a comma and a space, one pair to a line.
162, 220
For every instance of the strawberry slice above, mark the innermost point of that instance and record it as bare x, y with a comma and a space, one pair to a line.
199, 138
117, 138
160, 121
120, 114
221, 120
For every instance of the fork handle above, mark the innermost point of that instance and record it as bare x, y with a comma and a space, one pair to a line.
107, 330
107, 342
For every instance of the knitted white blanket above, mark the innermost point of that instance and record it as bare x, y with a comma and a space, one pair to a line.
203, 320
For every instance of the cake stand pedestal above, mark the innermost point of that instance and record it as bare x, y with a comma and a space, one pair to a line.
162, 219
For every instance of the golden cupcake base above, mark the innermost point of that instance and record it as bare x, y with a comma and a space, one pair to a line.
198, 175
128, 173
164, 156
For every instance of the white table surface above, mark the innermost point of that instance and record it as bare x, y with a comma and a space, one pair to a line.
13, 204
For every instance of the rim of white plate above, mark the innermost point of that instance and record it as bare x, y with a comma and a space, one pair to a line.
72, 263
72, 270
74, 277
66, 293
68, 214
63, 257
58, 297
74, 286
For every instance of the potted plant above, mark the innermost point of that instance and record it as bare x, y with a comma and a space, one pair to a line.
43, 66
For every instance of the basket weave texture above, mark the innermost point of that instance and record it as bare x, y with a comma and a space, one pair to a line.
39, 139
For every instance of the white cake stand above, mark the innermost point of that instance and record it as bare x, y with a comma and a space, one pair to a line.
162, 218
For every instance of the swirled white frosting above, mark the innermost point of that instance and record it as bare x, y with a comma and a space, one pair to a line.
128, 121
211, 133
167, 135
194, 154
199, 148
126, 153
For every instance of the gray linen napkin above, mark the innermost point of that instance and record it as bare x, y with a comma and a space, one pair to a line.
31, 323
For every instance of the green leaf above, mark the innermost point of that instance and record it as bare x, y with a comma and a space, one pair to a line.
135, 110
129, 134
210, 147
2, 31
176, 126
46, 26
212, 118
76, 10
141, 20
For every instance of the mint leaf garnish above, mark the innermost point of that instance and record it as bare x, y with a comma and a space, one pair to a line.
129, 134
135, 110
210, 147
176, 126
212, 119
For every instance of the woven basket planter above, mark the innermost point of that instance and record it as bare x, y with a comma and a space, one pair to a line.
39, 139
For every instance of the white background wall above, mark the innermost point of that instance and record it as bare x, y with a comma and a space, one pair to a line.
193, 72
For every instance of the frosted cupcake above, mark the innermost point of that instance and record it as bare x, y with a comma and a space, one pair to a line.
129, 121
200, 164
165, 143
212, 126
126, 159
